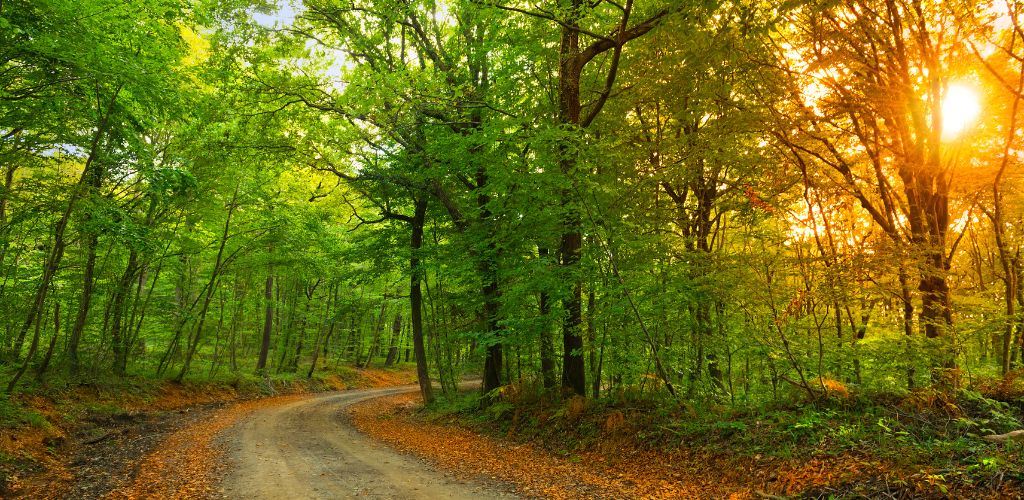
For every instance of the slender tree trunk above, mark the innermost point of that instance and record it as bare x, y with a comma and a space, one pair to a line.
236, 318
350, 342
547, 346
33, 346
571, 242
53, 343
118, 339
84, 303
58, 243
378, 326
327, 322
396, 332
908, 323
595, 378
303, 322
217, 336
268, 324
416, 301
210, 287
5, 195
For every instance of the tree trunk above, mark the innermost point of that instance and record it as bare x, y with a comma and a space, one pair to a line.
396, 332
570, 69
88, 177
378, 327
34, 345
210, 287
547, 346
117, 338
595, 377
268, 325
322, 340
5, 194
416, 301
119, 341
84, 304
53, 343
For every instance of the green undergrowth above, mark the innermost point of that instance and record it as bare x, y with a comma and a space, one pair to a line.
60, 400
14, 413
927, 432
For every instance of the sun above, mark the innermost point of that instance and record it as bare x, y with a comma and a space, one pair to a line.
960, 108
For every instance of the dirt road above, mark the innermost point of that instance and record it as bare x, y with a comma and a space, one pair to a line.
306, 449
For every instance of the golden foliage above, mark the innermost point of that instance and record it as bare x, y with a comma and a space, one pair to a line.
614, 421
835, 388
575, 407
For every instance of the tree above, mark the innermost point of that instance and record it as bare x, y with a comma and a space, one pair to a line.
867, 86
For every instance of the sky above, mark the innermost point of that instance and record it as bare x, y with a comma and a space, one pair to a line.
284, 16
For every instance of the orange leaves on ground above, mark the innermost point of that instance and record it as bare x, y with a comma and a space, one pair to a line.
184, 465
372, 378
172, 396
626, 473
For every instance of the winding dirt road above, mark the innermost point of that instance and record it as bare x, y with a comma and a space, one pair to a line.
306, 449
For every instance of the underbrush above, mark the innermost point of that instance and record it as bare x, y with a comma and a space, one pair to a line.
927, 441
60, 399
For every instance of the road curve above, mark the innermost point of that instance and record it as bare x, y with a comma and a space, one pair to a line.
307, 449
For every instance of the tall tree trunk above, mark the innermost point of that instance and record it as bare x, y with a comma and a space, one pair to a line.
378, 326
303, 323
1011, 277
487, 267
570, 69
396, 333
547, 346
236, 319
84, 303
117, 338
119, 341
5, 195
268, 324
571, 62
908, 323
416, 301
595, 377
53, 343
327, 321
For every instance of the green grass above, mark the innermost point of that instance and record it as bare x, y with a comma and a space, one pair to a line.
13, 414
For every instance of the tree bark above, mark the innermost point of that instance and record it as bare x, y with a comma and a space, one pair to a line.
571, 241
571, 62
416, 301
268, 325
45, 364
34, 345
396, 331
547, 346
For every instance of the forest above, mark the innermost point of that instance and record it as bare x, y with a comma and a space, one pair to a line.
737, 206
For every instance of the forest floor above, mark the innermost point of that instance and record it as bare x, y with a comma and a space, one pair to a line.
551, 460
116, 441
201, 441
535, 471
